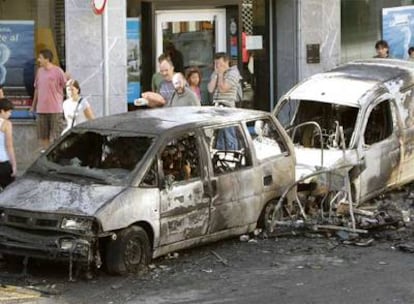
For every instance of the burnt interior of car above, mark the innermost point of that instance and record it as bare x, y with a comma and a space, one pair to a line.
331, 118
228, 149
180, 158
380, 124
100, 151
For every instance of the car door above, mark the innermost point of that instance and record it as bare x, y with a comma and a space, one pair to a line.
276, 161
381, 151
406, 108
185, 206
233, 178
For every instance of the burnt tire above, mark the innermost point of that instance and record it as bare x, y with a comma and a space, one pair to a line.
268, 214
129, 253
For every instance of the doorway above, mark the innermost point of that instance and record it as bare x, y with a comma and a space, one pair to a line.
194, 36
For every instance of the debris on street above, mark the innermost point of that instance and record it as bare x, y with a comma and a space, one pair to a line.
220, 258
406, 247
334, 213
244, 238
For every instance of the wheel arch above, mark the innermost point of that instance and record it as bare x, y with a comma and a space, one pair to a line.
148, 229
260, 219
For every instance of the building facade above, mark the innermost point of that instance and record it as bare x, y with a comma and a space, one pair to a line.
275, 43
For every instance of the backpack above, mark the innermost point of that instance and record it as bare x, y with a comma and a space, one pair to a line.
244, 91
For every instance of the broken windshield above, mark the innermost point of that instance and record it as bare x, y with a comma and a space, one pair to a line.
94, 156
331, 118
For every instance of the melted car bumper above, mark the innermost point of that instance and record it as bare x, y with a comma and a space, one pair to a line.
54, 246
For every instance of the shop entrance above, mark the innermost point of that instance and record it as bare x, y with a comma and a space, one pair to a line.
192, 37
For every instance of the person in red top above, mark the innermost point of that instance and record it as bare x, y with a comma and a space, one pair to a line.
49, 86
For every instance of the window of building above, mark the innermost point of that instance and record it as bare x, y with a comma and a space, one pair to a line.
361, 24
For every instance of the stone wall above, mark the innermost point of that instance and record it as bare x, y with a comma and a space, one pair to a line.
286, 45
303, 22
84, 60
319, 22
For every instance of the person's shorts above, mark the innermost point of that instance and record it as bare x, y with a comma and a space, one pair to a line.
5, 174
49, 125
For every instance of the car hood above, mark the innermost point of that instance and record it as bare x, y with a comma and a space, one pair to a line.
308, 160
39, 195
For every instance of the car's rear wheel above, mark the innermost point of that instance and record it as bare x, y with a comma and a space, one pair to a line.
129, 253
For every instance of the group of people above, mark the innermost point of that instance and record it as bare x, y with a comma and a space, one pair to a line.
50, 85
383, 50
171, 88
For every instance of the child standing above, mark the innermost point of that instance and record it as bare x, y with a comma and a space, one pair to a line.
193, 77
8, 167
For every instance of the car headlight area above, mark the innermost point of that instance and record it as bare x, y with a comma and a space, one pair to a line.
77, 224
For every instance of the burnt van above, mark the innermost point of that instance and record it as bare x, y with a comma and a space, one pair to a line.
355, 124
120, 190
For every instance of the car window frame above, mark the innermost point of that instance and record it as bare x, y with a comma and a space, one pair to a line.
247, 145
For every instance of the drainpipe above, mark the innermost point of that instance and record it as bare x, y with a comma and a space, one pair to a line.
105, 66
299, 41
272, 49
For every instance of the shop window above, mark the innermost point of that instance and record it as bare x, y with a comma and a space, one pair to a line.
361, 26
26, 27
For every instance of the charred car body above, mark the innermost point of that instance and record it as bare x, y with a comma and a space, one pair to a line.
354, 125
123, 189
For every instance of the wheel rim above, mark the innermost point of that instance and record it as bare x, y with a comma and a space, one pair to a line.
133, 252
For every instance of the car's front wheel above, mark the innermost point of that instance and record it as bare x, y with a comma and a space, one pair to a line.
270, 213
129, 253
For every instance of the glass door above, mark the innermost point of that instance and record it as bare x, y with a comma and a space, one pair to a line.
192, 37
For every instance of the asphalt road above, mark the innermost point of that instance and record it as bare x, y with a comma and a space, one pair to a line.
300, 269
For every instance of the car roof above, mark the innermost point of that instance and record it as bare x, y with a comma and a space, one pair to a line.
346, 84
158, 120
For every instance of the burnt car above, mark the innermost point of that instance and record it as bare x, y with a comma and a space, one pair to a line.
353, 130
120, 190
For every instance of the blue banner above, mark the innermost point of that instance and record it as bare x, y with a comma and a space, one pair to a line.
398, 30
17, 54
134, 58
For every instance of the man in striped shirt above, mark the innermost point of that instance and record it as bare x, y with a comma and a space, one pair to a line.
224, 81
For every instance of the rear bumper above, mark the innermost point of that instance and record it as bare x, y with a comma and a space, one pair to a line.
51, 246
